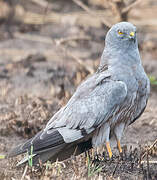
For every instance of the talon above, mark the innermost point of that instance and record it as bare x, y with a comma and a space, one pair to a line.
109, 149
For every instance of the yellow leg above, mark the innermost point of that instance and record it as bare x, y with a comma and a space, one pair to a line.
109, 149
119, 146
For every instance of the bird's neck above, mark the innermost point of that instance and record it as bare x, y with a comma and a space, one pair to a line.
120, 57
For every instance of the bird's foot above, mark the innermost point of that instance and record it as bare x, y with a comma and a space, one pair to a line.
109, 149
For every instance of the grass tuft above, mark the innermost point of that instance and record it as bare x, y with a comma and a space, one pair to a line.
2, 156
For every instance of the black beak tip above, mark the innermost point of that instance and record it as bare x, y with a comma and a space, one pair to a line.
132, 39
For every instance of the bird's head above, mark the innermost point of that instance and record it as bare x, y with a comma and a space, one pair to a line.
121, 36
121, 45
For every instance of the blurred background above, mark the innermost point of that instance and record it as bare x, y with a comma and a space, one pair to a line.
47, 47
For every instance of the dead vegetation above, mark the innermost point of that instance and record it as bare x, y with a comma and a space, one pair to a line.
47, 48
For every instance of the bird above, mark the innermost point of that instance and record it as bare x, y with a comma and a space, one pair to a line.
102, 107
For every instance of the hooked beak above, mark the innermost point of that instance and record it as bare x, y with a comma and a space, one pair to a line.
132, 36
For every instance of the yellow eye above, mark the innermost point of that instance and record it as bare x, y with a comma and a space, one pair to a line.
120, 32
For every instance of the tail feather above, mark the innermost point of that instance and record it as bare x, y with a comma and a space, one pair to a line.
19, 149
42, 143
50, 145
42, 157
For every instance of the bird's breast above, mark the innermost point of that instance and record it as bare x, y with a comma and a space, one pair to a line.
137, 94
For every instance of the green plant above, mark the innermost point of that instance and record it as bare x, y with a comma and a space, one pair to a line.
152, 79
92, 168
30, 157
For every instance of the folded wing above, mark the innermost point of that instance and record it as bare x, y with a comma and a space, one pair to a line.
92, 104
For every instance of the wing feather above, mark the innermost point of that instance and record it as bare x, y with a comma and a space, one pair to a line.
90, 106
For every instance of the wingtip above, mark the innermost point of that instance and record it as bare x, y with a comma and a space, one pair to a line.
16, 151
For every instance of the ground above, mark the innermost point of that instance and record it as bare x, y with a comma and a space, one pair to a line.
42, 61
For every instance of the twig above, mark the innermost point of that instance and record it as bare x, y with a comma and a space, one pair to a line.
46, 40
150, 162
87, 9
74, 153
77, 17
74, 38
78, 60
147, 164
129, 7
150, 148
4, 10
45, 12
80, 18
115, 168
36, 38
24, 173
41, 3
59, 44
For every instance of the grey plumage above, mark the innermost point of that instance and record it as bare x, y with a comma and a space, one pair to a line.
102, 106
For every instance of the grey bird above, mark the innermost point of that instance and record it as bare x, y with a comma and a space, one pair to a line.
102, 107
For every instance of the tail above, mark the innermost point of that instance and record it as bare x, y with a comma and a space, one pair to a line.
41, 147
49, 146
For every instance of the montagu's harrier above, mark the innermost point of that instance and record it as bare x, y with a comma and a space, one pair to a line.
102, 106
